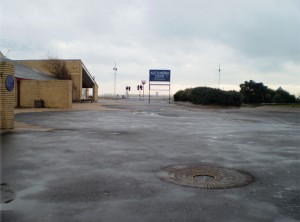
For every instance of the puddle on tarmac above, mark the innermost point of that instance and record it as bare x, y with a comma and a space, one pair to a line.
20, 202
7, 194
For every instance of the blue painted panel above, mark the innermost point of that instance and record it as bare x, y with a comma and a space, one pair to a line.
159, 75
10, 82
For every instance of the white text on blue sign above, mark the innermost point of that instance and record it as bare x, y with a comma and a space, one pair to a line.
160, 75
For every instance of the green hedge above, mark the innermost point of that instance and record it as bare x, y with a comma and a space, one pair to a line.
182, 95
209, 96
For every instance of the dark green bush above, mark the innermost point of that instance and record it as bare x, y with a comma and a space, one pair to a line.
182, 95
282, 96
209, 96
256, 93
185, 94
177, 95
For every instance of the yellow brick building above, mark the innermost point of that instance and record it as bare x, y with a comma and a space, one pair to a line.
26, 83
7, 94
81, 78
53, 93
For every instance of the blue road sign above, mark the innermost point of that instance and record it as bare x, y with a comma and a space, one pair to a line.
159, 75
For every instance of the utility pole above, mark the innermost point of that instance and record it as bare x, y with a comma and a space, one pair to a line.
115, 78
219, 74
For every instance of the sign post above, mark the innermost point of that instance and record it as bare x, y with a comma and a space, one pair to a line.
160, 77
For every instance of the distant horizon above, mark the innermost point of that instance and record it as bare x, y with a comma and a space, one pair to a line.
162, 93
176, 88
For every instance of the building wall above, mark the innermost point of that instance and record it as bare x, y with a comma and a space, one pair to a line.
95, 92
7, 98
74, 67
55, 93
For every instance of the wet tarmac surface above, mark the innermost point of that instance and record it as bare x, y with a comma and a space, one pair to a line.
103, 165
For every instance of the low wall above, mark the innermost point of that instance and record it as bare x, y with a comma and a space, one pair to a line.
55, 93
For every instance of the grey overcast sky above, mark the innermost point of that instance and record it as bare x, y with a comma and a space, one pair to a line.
252, 40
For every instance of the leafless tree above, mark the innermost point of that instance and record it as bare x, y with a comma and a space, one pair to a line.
58, 67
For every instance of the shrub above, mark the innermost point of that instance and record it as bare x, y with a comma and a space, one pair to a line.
253, 92
182, 95
177, 95
209, 96
185, 94
282, 96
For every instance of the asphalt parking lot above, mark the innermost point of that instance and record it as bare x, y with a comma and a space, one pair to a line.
102, 165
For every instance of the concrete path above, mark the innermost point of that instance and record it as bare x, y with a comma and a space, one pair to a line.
102, 165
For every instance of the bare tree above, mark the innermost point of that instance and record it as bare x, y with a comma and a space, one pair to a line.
58, 67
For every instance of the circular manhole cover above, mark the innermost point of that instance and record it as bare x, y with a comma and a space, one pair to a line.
209, 177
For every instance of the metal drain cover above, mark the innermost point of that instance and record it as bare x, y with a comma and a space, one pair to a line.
209, 177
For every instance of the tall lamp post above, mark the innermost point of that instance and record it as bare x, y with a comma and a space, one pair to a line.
143, 82
115, 78
219, 74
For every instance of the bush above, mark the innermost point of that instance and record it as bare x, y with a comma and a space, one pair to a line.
253, 92
177, 95
209, 96
182, 95
185, 94
282, 96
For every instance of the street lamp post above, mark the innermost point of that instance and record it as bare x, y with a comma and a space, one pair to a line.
143, 82
115, 78
219, 74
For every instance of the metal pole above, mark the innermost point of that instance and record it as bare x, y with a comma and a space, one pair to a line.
169, 93
219, 75
149, 91
115, 78
115, 84
143, 92
143, 83
139, 92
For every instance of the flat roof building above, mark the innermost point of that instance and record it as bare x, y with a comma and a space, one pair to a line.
80, 76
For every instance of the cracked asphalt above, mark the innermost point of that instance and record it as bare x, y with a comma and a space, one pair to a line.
102, 165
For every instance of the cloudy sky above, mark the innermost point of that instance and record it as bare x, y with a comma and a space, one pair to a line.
257, 39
